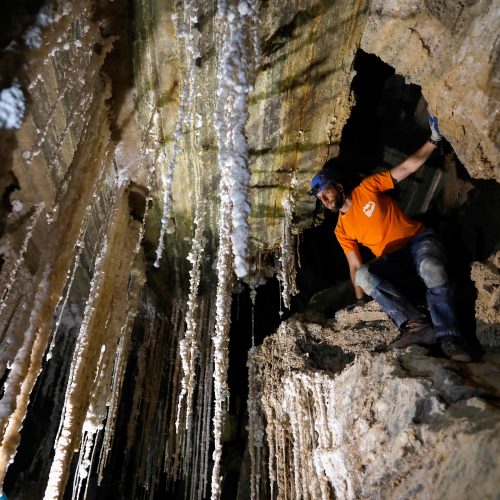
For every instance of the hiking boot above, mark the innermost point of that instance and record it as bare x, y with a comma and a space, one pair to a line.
415, 332
451, 346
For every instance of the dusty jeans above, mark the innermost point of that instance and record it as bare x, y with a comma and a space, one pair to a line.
425, 255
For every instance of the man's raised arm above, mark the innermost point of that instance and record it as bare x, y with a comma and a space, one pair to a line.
417, 159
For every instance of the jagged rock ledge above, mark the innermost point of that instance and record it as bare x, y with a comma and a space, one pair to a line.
344, 418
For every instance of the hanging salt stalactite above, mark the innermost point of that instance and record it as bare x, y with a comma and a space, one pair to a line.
89, 400
235, 72
188, 347
235, 76
22, 252
220, 337
56, 480
71, 275
82, 364
14, 403
255, 431
190, 35
136, 283
195, 467
288, 271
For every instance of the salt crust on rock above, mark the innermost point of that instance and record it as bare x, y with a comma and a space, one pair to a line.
367, 424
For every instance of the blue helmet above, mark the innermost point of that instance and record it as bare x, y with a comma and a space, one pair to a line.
320, 181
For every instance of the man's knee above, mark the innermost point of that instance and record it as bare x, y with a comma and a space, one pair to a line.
366, 279
433, 272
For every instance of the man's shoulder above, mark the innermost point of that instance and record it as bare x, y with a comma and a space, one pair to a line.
377, 183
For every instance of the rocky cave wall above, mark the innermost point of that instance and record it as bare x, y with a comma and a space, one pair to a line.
92, 117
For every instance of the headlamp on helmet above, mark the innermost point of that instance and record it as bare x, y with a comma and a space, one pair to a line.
319, 182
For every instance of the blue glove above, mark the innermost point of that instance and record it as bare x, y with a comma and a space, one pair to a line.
436, 135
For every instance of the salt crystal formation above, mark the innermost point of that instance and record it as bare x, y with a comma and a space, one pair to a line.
343, 421
234, 82
190, 35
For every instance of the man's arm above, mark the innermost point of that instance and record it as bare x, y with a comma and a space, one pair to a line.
412, 163
354, 260
417, 159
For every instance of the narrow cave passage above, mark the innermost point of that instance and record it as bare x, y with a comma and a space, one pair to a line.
387, 123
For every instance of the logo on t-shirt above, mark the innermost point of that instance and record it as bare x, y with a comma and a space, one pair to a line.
369, 208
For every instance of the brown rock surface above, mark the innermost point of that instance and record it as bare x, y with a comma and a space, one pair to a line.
486, 277
398, 424
451, 50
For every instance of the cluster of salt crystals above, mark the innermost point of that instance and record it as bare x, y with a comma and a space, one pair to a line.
299, 422
14, 403
307, 406
221, 334
64, 446
14, 268
235, 75
255, 430
32, 37
189, 33
12, 106
288, 270
188, 346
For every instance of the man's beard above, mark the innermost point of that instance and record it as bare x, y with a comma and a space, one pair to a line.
338, 201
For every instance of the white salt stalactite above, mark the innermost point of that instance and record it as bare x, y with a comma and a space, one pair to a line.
207, 409
14, 402
63, 440
22, 252
253, 297
65, 436
188, 346
220, 338
190, 34
255, 430
288, 270
71, 275
235, 76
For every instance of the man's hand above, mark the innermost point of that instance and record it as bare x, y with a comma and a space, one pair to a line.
359, 302
436, 135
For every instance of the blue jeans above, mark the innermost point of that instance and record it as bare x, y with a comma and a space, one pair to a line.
424, 254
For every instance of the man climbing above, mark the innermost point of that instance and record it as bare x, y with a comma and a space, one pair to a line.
369, 216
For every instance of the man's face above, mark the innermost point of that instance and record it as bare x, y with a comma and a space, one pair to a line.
332, 197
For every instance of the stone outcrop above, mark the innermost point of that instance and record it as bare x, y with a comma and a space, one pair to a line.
343, 420
486, 277
441, 47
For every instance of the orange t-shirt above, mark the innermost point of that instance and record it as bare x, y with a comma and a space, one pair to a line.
375, 219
